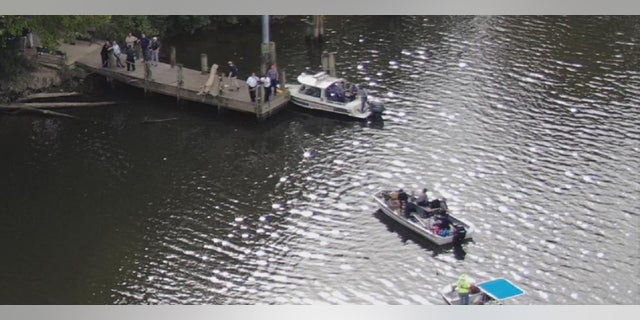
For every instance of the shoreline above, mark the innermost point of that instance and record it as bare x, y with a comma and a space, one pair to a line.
50, 73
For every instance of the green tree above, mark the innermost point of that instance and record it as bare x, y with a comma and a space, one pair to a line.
49, 28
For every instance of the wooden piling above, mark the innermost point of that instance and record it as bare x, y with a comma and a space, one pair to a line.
172, 56
283, 80
112, 61
203, 63
315, 28
147, 76
268, 56
318, 27
328, 63
139, 51
259, 99
265, 58
180, 83
332, 64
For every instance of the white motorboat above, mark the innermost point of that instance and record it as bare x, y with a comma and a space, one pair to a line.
321, 91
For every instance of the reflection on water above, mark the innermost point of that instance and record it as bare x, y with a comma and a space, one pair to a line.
527, 125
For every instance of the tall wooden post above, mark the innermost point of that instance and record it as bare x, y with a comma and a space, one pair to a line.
180, 82
139, 51
268, 56
328, 63
318, 27
283, 80
172, 56
272, 54
259, 100
112, 60
203, 63
264, 58
332, 64
147, 76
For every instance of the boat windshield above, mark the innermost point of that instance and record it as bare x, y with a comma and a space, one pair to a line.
310, 91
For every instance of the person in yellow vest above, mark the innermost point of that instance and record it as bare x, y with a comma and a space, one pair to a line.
464, 286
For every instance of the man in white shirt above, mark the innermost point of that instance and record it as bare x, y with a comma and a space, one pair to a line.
116, 52
266, 83
252, 83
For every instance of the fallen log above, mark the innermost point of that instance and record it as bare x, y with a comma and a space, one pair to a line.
54, 105
17, 108
48, 95
157, 120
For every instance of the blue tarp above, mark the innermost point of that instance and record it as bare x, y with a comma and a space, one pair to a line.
500, 289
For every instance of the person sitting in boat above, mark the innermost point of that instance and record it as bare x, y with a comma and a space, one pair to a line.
444, 221
393, 201
423, 199
403, 197
351, 92
441, 225
409, 208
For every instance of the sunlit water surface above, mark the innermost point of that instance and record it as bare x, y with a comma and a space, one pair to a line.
529, 126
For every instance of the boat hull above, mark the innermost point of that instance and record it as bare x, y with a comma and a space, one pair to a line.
351, 109
421, 226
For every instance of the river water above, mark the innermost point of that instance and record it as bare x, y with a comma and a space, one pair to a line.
528, 125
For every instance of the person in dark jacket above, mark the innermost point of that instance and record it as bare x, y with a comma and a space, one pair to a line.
131, 58
104, 54
144, 45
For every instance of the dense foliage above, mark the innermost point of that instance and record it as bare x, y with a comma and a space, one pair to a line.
52, 28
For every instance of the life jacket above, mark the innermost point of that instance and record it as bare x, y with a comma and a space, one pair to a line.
463, 284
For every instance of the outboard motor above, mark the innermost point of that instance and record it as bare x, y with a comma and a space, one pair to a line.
376, 107
459, 234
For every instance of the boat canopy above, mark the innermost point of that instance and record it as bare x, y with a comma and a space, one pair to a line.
500, 289
320, 80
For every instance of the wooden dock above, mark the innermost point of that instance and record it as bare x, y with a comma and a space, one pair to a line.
165, 79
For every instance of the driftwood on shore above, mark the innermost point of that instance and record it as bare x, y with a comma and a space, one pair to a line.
15, 108
48, 95
23, 104
146, 120
55, 105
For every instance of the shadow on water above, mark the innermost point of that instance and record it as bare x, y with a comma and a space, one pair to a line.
406, 234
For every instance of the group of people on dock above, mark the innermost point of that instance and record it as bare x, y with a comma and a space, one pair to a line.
269, 81
150, 49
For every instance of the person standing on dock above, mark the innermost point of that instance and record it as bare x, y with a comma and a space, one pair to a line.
130, 40
272, 73
252, 83
155, 51
104, 54
144, 45
131, 58
266, 83
116, 53
233, 75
